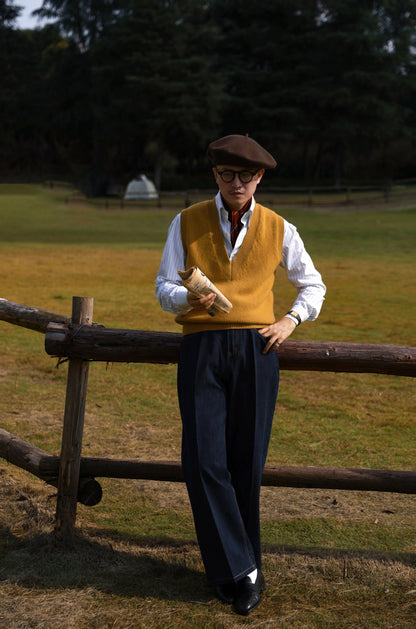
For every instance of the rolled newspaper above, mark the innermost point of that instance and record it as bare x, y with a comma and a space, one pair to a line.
198, 284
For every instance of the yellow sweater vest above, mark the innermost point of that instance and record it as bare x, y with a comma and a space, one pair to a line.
247, 281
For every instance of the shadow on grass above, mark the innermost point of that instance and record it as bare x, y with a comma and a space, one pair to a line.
148, 568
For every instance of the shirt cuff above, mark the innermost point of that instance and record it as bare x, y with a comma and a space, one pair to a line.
301, 311
289, 316
181, 299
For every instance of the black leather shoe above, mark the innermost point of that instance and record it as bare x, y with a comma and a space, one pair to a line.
247, 594
226, 592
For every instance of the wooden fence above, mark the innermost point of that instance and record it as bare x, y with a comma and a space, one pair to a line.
311, 195
281, 195
81, 341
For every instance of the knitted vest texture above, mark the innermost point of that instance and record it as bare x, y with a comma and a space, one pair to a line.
247, 281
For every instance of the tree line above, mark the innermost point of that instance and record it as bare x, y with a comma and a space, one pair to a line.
106, 89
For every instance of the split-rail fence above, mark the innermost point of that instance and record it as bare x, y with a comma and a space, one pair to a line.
81, 341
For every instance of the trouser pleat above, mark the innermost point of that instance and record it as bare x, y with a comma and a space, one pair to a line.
227, 393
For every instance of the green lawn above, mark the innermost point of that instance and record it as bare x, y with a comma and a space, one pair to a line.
51, 250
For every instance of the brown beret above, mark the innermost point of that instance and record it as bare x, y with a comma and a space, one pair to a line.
240, 150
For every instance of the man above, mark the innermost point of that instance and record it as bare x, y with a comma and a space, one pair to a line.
228, 368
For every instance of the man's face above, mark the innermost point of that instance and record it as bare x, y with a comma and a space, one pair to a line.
236, 193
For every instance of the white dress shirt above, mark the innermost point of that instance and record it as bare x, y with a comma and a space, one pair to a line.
296, 261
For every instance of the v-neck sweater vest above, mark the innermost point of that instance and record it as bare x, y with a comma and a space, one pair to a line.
247, 281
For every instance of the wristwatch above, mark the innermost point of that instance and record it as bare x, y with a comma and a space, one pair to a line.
292, 314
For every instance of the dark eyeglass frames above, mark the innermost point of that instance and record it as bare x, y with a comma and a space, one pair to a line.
245, 176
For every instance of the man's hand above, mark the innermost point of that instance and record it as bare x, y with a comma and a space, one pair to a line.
277, 332
201, 303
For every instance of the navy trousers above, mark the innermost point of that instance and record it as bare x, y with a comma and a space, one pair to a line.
227, 393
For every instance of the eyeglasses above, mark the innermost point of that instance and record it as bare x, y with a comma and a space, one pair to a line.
245, 176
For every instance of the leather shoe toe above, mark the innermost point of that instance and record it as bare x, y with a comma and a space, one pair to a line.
247, 595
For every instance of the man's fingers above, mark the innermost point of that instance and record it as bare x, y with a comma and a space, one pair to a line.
201, 303
271, 345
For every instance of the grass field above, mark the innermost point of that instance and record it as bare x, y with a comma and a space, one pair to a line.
331, 558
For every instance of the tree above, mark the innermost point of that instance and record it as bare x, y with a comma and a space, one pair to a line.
174, 88
134, 87
23, 147
115, 87
355, 75
83, 21
323, 75
262, 51
8, 14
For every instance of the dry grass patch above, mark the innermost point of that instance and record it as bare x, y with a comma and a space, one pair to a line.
108, 580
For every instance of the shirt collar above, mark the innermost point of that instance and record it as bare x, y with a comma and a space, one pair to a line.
221, 209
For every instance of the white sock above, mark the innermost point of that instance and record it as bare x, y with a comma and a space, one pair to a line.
253, 576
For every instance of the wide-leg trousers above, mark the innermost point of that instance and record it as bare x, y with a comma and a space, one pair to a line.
227, 391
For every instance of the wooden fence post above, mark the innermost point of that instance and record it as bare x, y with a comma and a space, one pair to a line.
76, 393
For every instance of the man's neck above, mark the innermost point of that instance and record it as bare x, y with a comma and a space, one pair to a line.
241, 210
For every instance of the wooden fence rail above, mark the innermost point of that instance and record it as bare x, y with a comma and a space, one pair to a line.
81, 341
28, 317
46, 467
95, 342
114, 345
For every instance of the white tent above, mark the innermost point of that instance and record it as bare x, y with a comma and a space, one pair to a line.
141, 188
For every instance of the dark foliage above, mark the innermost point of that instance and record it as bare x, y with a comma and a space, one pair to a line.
111, 88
